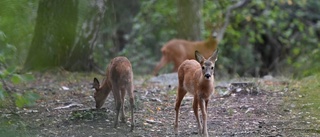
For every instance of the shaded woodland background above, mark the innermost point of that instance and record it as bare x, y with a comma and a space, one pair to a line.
260, 37
277, 37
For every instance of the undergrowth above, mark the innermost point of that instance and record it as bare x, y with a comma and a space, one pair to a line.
13, 126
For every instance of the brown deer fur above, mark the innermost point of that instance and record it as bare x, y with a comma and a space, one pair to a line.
178, 50
119, 80
197, 78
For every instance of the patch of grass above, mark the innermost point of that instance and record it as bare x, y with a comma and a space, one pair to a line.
90, 114
13, 126
142, 80
137, 102
308, 96
172, 92
85, 115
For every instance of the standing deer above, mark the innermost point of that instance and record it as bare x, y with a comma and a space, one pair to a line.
197, 78
178, 50
119, 80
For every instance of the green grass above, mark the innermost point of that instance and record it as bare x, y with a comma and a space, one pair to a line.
308, 96
14, 127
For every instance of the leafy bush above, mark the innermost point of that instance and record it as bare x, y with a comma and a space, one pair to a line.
14, 126
264, 37
17, 22
153, 25
276, 37
9, 76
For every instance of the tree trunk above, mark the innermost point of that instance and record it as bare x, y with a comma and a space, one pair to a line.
189, 17
54, 34
81, 55
120, 18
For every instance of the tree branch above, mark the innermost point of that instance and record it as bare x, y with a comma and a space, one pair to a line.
4, 85
240, 4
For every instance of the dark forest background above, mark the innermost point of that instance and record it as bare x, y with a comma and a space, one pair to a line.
274, 37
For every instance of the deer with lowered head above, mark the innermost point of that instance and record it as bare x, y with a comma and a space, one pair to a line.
119, 80
196, 77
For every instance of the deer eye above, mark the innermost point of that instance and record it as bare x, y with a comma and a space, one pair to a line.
202, 67
212, 68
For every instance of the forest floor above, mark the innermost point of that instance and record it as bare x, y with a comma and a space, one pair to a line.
66, 108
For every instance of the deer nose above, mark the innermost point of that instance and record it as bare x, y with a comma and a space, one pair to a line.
207, 76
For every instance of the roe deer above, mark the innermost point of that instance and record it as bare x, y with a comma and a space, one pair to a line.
178, 50
197, 78
119, 80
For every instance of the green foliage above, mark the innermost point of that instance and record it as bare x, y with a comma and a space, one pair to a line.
91, 114
8, 74
275, 35
21, 100
263, 37
25, 99
13, 126
16, 23
154, 25
83, 115
17, 19
150, 32
308, 64
2, 93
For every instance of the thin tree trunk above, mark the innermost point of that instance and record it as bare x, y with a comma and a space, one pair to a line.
81, 56
189, 17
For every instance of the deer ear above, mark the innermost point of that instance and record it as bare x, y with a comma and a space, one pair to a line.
96, 83
199, 57
214, 56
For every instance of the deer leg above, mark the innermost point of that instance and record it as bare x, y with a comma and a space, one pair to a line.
116, 94
195, 110
203, 107
123, 94
132, 116
131, 100
164, 60
207, 105
181, 93
116, 119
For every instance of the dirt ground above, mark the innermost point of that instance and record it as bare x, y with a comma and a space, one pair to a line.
66, 108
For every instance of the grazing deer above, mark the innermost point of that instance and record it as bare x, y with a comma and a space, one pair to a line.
197, 78
119, 80
178, 50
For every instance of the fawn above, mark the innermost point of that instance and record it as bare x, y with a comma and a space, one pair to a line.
178, 50
197, 78
119, 80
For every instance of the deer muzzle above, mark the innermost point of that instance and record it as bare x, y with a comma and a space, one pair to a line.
207, 76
